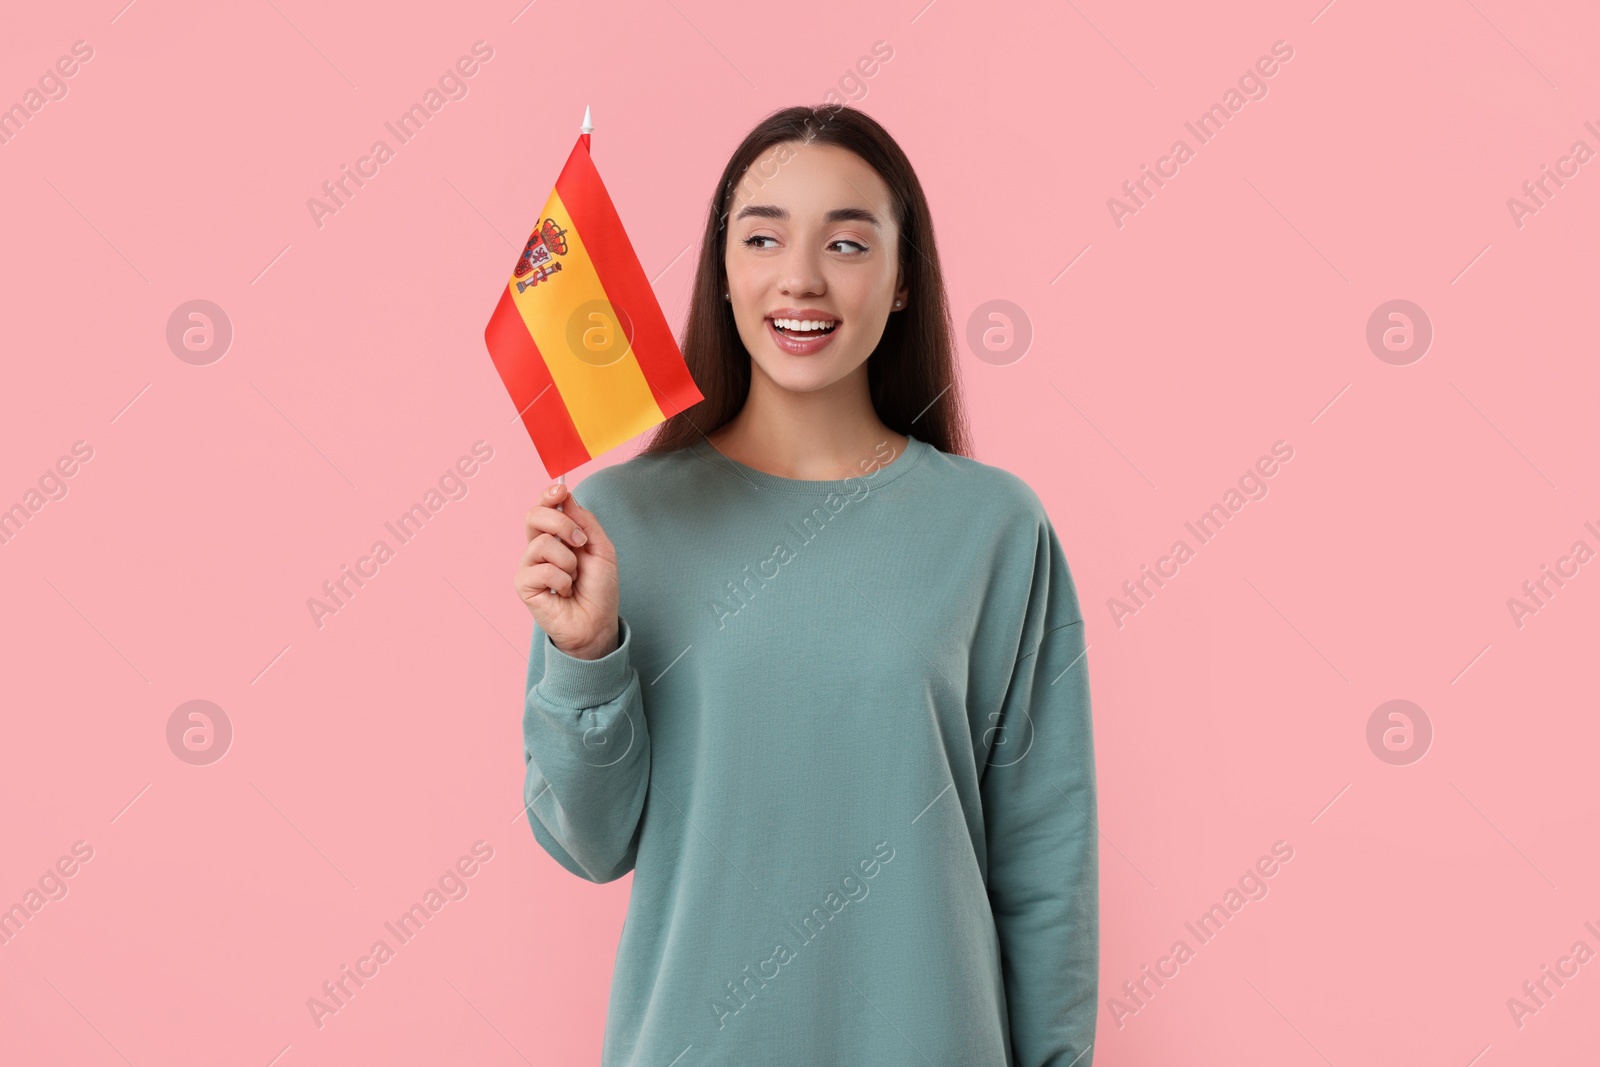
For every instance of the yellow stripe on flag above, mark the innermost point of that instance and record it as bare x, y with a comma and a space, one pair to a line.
608, 404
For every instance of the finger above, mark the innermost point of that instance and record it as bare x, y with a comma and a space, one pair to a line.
554, 523
596, 536
543, 577
546, 548
544, 518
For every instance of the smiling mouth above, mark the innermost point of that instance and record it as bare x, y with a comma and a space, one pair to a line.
803, 329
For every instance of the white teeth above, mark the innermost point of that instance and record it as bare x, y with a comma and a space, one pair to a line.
801, 324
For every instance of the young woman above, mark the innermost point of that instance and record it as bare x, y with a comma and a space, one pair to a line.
812, 674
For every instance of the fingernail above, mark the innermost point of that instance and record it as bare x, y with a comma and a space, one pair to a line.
578, 536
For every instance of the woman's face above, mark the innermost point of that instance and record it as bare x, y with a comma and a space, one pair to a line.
812, 237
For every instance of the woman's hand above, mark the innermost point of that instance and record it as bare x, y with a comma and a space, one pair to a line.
569, 553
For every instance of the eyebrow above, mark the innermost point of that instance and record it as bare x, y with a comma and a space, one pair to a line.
838, 214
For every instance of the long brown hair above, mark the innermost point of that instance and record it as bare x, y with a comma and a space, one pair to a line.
911, 374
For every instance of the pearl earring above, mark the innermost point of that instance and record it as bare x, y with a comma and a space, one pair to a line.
725, 296
897, 303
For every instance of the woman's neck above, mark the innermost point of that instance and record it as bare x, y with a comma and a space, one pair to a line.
809, 438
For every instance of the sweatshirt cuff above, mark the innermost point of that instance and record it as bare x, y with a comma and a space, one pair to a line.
586, 683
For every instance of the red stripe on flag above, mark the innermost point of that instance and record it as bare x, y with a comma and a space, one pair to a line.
527, 379
595, 217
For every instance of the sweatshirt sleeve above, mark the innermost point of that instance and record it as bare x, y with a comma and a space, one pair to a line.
587, 750
1040, 819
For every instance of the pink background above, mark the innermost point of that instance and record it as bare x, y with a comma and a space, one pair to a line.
1229, 313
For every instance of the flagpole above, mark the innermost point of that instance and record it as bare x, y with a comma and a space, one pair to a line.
586, 128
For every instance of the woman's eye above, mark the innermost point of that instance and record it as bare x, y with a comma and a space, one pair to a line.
856, 248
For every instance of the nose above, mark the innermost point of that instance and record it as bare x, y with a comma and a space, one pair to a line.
802, 275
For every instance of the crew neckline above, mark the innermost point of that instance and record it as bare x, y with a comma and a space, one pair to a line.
908, 458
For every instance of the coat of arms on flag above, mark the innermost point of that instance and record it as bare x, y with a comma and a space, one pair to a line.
578, 337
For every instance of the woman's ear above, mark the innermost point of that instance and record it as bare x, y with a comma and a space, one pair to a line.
901, 294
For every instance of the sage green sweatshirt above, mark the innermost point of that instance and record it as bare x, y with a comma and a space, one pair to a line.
845, 749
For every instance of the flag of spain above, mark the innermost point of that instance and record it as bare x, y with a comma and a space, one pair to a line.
578, 337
